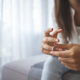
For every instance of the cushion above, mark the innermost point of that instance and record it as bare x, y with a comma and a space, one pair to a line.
18, 70
36, 71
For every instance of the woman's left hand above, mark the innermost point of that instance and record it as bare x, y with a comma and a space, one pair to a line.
70, 57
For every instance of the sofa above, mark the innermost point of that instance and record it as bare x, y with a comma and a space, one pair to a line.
30, 69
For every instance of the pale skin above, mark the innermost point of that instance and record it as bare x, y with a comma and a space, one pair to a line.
68, 54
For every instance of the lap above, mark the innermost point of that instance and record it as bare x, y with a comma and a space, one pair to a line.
53, 65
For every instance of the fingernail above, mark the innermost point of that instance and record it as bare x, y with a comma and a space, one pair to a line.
51, 28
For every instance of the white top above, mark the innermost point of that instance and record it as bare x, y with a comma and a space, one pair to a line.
75, 34
78, 31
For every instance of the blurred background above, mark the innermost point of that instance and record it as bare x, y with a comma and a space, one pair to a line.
22, 26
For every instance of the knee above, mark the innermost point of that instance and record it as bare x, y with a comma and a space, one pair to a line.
51, 62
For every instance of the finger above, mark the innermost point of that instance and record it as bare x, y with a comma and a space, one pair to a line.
71, 66
47, 47
64, 46
63, 54
57, 49
47, 32
50, 39
67, 60
46, 52
67, 66
56, 32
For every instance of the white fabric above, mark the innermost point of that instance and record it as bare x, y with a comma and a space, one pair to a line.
22, 26
18, 70
75, 36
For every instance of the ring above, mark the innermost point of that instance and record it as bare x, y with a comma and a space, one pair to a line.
52, 48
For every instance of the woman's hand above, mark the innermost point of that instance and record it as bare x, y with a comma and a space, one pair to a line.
70, 57
50, 40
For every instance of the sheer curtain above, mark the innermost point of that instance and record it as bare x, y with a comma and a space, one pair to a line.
22, 25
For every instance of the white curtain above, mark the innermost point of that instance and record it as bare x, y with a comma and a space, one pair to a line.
22, 26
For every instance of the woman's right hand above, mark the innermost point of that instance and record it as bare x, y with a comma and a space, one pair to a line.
49, 41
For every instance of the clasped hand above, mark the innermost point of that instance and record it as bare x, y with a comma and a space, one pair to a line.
68, 54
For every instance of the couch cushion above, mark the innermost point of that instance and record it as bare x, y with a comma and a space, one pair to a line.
38, 65
18, 70
36, 71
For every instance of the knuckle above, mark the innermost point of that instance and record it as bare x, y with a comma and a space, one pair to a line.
54, 33
47, 47
60, 55
46, 31
45, 39
74, 61
73, 54
43, 51
52, 39
76, 69
49, 39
